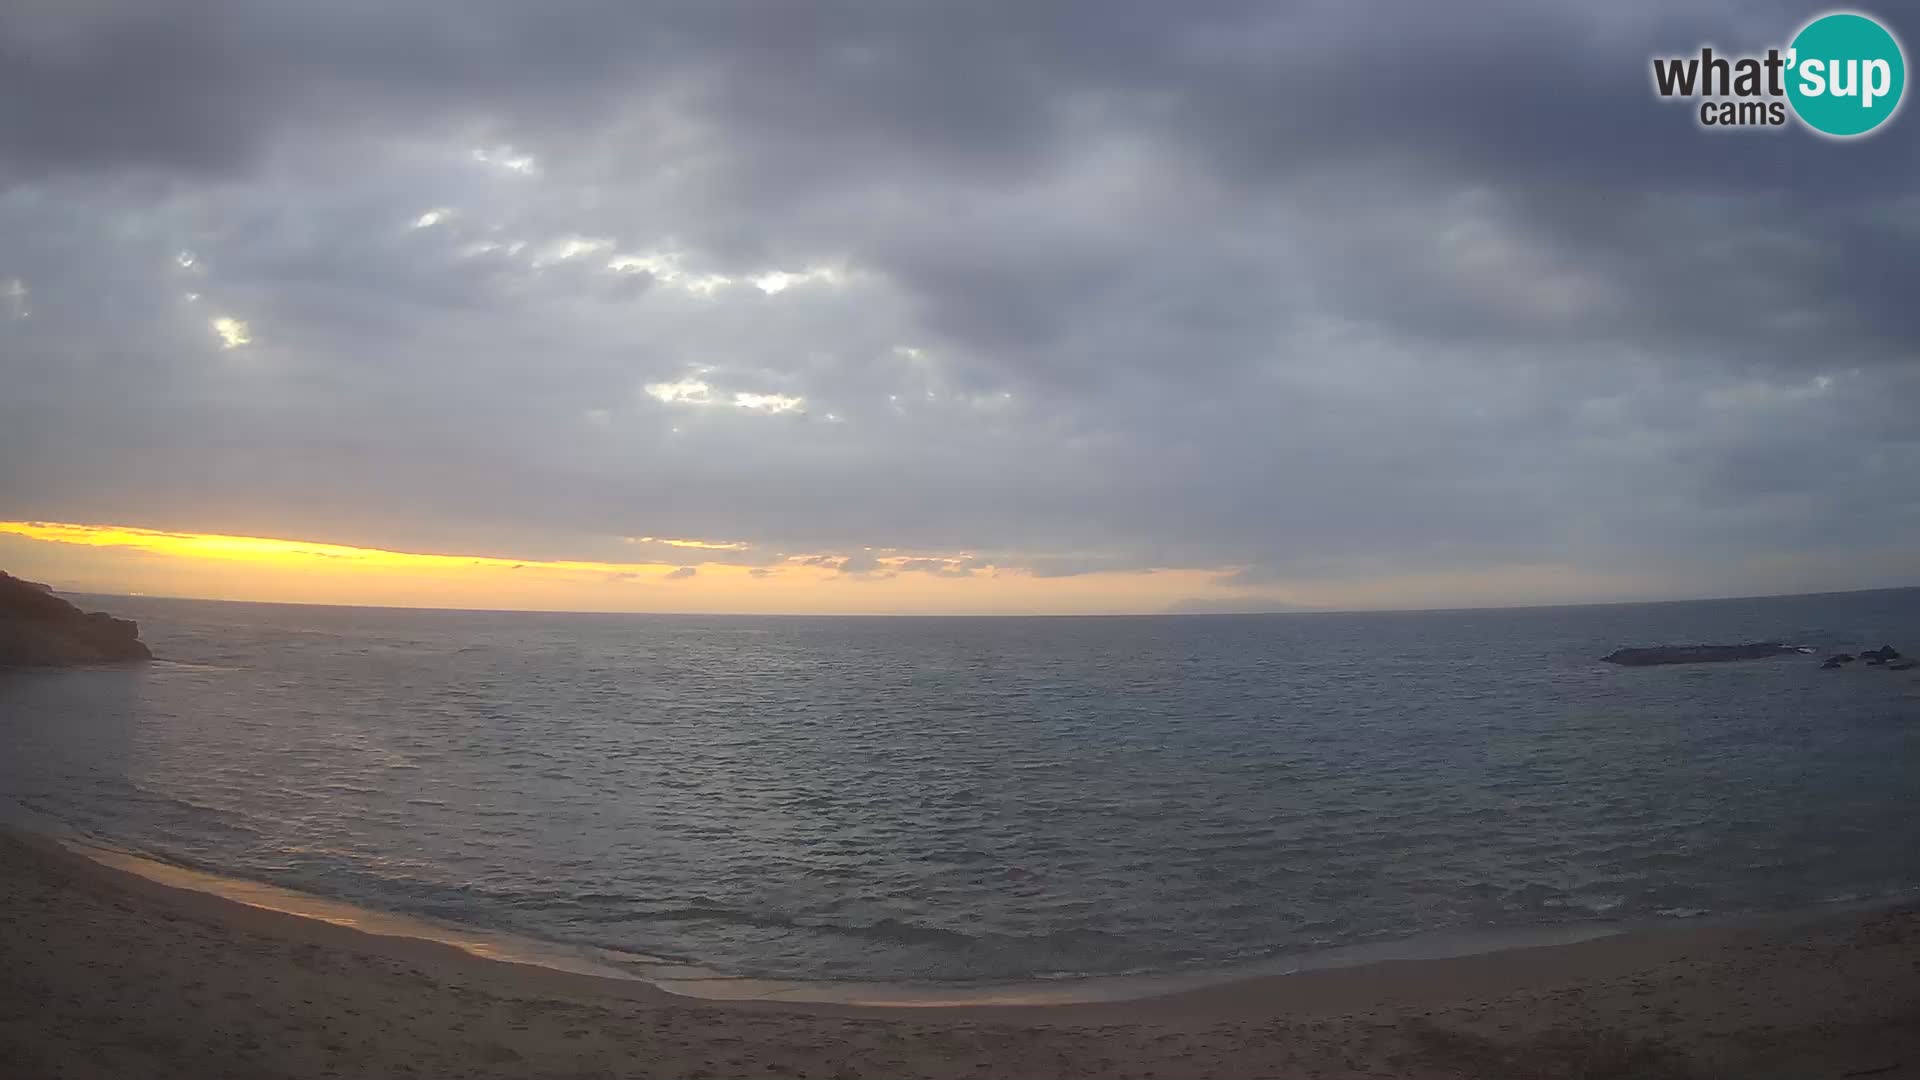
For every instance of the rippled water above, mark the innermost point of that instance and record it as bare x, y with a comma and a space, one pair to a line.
964, 799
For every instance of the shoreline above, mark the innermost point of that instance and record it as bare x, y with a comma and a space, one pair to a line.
104, 972
696, 983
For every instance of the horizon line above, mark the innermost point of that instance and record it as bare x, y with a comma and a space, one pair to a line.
1296, 610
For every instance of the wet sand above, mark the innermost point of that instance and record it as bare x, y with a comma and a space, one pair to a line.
107, 974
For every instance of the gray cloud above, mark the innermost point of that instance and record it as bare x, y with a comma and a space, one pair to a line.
1313, 292
937, 567
861, 564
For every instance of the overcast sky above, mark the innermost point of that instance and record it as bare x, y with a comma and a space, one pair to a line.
1337, 303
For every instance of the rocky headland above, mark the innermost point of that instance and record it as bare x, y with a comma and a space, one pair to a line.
38, 629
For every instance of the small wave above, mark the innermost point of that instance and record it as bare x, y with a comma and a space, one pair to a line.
888, 930
902, 932
211, 816
956, 856
695, 913
1681, 912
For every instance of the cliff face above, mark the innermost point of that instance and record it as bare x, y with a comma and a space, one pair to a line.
38, 629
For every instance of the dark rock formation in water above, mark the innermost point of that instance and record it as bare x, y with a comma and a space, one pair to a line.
1699, 654
38, 629
1880, 655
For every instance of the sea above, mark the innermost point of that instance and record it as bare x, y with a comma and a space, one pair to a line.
992, 801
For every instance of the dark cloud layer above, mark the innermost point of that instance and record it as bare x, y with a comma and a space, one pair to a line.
1302, 292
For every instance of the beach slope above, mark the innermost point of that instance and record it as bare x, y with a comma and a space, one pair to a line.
104, 974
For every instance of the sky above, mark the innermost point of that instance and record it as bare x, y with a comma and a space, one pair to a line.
901, 307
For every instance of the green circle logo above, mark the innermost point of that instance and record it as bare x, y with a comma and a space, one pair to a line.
1845, 74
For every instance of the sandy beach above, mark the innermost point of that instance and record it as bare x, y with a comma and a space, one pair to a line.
106, 974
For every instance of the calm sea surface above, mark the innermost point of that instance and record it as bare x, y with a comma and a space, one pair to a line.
986, 799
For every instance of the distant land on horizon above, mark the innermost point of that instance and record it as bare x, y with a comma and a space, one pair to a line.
1186, 609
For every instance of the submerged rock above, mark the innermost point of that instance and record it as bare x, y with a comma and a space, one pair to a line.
1699, 654
38, 629
1904, 665
1880, 655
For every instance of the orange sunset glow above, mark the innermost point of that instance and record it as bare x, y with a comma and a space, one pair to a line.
126, 559
695, 576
